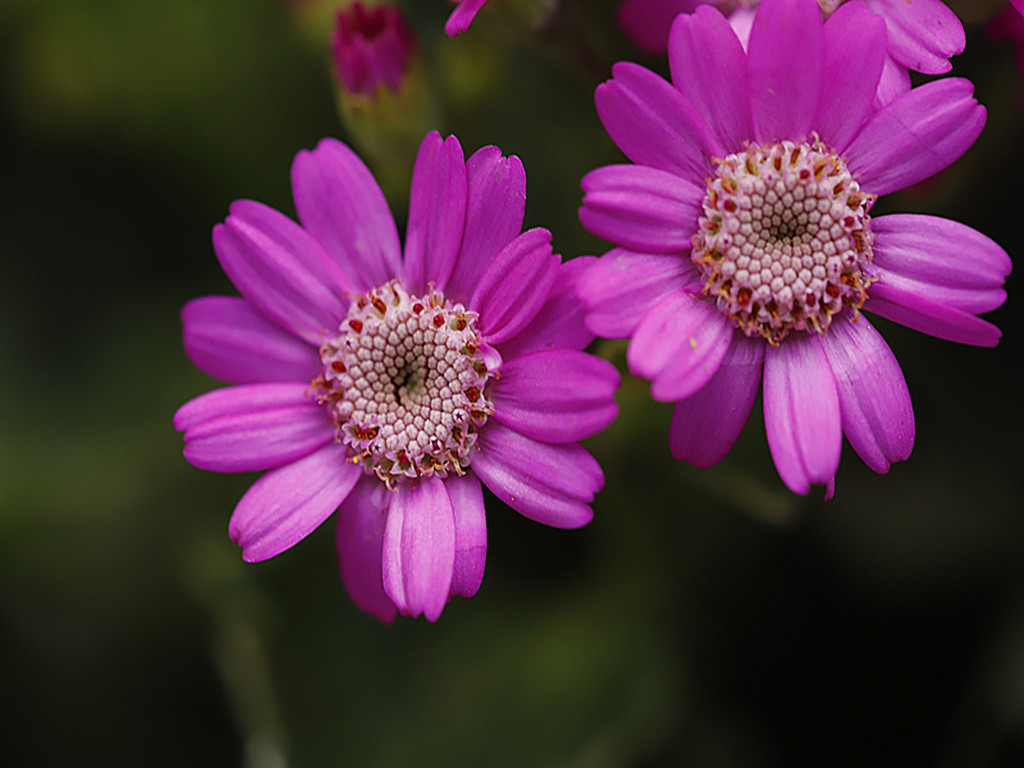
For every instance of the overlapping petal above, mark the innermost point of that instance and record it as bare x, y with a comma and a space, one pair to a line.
647, 22
922, 35
467, 498
359, 540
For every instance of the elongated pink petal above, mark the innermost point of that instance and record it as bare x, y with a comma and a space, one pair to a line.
419, 548
910, 308
922, 34
225, 337
854, 57
437, 213
653, 124
895, 82
252, 426
463, 16
801, 412
679, 345
281, 270
647, 22
784, 69
640, 208
916, 136
359, 539
709, 67
467, 498
288, 503
340, 204
878, 417
706, 425
941, 260
623, 286
495, 203
557, 395
559, 323
550, 483
515, 286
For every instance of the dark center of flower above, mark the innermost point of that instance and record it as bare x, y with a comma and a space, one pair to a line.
405, 383
784, 242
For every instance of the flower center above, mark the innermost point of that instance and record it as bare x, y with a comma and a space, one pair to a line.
404, 381
784, 241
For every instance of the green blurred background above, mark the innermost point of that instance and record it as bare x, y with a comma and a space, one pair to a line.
703, 619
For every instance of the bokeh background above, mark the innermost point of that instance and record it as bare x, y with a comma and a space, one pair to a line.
705, 618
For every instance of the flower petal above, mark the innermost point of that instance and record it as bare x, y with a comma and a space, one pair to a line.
462, 16
641, 208
709, 67
940, 260
895, 82
801, 412
467, 498
281, 270
647, 22
550, 483
904, 305
784, 69
556, 395
679, 345
495, 203
878, 417
437, 213
854, 57
653, 124
515, 286
225, 337
922, 35
916, 136
419, 548
559, 323
252, 426
359, 539
288, 503
622, 286
340, 204
706, 425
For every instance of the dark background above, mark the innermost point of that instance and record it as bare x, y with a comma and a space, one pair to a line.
705, 618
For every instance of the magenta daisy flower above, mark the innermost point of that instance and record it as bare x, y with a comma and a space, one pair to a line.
747, 248
463, 16
389, 386
921, 35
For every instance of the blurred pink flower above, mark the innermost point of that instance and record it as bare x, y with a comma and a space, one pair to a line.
371, 48
392, 386
746, 250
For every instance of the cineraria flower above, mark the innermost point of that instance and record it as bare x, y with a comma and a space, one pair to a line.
463, 16
388, 386
746, 244
921, 35
371, 48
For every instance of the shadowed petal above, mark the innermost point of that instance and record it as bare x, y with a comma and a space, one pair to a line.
641, 208
623, 286
647, 22
922, 34
709, 67
437, 213
878, 418
288, 503
359, 539
556, 395
653, 124
784, 67
225, 337
916, 136
550, 483
467, 498
419, 548
801, 412
252, 427
281, 270
340, 204
679, 345
706, 425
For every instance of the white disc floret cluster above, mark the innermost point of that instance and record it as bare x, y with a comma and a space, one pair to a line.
405, 383
784, 242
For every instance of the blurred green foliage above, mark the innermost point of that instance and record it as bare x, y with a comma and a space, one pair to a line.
704, 618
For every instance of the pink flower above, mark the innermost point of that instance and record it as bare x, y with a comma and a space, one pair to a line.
463, 16
921, 35
389, 385
746, 247
371, 48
